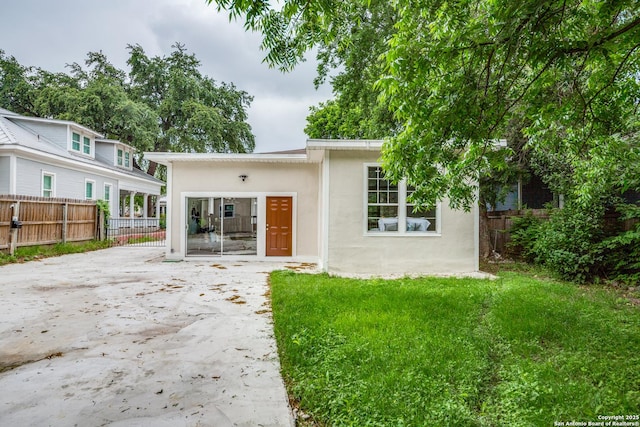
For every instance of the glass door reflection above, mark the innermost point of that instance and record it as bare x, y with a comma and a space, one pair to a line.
222, 226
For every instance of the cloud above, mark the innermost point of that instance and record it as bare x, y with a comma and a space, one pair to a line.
52, 34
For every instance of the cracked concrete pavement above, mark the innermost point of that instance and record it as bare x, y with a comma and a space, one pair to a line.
121, 337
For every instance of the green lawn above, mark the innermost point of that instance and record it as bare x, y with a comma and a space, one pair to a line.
513, 351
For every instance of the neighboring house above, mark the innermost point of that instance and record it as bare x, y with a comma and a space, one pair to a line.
529, 194
328, 203
59, 158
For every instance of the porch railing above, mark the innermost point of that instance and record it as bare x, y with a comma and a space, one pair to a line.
136, 231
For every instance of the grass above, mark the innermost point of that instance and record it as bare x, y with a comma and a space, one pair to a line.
411, 352
29, 253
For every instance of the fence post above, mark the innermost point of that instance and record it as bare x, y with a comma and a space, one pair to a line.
64, 222
101, 233
14, 231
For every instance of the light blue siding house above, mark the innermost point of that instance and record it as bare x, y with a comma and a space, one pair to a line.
59, 158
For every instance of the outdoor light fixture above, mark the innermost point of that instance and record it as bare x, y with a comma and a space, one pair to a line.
243, 177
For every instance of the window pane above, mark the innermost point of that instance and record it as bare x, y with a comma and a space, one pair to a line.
119, 157
86, 145
126, 159
382, 218
75, 141
382, 201
46, 182
107, 192
89, 190
420, 221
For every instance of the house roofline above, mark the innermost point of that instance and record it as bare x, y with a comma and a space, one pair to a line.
340, 144
31, 153
115, 142
165, 158
54, 121
289, 156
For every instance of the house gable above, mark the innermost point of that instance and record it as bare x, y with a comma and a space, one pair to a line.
115, 153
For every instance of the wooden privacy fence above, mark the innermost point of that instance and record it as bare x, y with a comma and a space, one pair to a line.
46, 221
497, 225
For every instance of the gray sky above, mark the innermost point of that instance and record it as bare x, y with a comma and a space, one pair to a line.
51, 34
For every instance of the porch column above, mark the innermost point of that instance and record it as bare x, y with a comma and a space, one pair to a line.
145, 205
132, 207
155, 206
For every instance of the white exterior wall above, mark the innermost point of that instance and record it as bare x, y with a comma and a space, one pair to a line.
5, 173
68, 183
352, 250
207, 179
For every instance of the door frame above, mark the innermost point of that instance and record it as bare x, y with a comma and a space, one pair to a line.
261, 241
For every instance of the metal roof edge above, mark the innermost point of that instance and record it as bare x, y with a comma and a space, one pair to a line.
344, 144
165, 157
54, 121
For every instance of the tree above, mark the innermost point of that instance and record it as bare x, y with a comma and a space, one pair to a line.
16, 84
458, 73
195, 114
356, 51
162, 104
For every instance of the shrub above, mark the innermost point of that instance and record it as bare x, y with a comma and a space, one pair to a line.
567, 242
575, 244
523, 233
621, 252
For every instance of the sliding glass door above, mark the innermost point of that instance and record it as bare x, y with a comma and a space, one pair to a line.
221, 226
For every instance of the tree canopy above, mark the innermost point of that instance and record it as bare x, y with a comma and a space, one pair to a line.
459, 76
356, 55
163, 103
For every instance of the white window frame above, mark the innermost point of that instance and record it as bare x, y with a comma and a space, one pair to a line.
223, 210
402, 211
83, 142
86, 144
104, 193
53, 184
93, 189
79, 149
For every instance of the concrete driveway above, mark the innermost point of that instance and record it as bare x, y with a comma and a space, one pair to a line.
120, 337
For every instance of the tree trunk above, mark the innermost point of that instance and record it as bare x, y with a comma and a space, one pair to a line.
152, 168
485, 234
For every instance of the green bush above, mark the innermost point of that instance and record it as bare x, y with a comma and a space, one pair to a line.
524, 232
567, 243
621, 252
575, 244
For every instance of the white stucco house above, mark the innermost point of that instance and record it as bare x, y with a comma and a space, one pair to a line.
328, 203
59, 158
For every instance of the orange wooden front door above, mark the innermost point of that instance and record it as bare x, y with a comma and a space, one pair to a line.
279, 233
